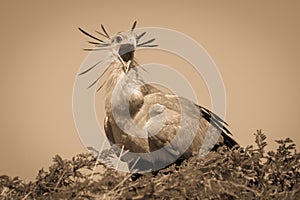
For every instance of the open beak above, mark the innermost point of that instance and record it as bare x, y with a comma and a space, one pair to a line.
126, 52
126, 66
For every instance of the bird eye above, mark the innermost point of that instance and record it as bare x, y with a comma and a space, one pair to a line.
118, 39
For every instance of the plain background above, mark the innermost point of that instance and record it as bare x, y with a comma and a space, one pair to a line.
255, 45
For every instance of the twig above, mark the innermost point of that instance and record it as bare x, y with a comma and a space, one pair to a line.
97, 160
27, 195
119, 157
59, 180
134, 163
126, 177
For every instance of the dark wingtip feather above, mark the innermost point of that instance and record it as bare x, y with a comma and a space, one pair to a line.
90, 68
220, 124
150, 45
95, 43
147, 42
141, 35
213, 114
134, 25
105, 31
89, 35
101, 34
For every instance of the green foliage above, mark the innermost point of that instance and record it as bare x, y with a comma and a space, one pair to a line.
241, 173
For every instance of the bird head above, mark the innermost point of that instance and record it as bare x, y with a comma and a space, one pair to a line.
123, 46
120, 47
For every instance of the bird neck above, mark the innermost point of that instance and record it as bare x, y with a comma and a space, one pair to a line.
119, 85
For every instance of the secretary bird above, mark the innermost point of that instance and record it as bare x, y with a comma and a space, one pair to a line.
131, 103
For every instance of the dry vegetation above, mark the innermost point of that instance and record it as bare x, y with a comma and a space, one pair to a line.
243, 173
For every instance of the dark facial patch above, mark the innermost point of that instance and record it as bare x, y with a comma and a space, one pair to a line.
126, 52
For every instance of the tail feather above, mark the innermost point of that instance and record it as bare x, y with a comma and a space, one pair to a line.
220, 124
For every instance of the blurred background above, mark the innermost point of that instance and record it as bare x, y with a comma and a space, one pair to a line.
255, 45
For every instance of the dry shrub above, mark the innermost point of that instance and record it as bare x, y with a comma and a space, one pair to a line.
241, 173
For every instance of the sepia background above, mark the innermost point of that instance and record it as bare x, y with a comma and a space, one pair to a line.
255, 45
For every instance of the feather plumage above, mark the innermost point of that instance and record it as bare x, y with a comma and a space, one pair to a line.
159, 116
